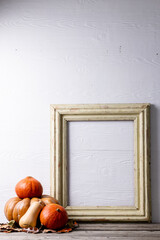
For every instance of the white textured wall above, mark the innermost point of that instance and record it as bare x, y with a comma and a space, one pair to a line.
101, 163
74, 51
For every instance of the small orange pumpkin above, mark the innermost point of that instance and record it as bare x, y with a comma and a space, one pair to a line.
29, 187
15, 207
53, 216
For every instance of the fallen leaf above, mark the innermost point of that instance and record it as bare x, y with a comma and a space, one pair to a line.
5, 228
65, 230
11, 227
31, 230
76, 224
7, 231
49, 231
72, 224
12, 223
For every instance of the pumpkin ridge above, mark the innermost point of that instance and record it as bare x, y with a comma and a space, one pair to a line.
49, 220
16, 208
10, 206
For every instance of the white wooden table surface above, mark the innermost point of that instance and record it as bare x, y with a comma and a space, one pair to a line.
123, 231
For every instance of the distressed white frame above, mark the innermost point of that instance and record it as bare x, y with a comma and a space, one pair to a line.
139, 113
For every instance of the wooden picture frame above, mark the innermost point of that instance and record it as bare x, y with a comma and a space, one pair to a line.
140, 114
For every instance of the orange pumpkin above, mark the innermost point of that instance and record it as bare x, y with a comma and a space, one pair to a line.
53, 216
15, 207
28, 187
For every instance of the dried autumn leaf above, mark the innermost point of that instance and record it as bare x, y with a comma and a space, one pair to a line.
7, 231
31, 230
72, 224
49, 231
5, 228
11, 227
76, 224
65, 230
12, 223
4, 225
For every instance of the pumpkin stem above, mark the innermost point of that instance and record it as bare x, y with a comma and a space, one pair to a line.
58, 210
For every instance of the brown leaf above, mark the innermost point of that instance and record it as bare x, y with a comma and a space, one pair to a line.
31, 230
11, 227
3, 225
65, 230
49, 231
76, 224
17, 229
7, 231
5, 228
12, 223
72, 224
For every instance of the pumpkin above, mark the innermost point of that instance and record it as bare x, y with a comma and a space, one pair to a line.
53, 216
28, 187
46, 199
15, 207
